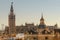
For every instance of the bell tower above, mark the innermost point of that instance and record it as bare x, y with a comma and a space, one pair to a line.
11, 20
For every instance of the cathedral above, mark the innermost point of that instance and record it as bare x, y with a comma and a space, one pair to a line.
31, 31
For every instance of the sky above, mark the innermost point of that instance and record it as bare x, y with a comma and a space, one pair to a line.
29, 11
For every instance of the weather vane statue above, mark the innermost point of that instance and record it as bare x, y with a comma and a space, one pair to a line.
12, 1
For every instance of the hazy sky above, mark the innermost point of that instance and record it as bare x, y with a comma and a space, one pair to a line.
30, 11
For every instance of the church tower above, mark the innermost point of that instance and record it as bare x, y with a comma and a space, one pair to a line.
42, 20
42, 24
11, 20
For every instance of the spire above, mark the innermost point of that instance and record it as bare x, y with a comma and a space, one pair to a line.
56, 24
42, 17
11, 9
42, 13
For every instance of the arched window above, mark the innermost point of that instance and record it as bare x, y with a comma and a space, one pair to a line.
35, 38
46, 38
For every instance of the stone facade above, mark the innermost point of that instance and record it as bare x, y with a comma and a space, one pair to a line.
31, 31
11, 21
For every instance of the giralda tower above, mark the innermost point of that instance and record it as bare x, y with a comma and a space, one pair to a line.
11, 20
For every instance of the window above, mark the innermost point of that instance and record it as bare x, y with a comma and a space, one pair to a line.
35, 38
46, 38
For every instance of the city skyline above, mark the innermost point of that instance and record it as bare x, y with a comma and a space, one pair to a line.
30, 11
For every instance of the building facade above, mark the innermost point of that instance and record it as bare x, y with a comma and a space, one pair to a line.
31, 31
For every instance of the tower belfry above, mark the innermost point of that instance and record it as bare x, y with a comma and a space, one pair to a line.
11, 20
